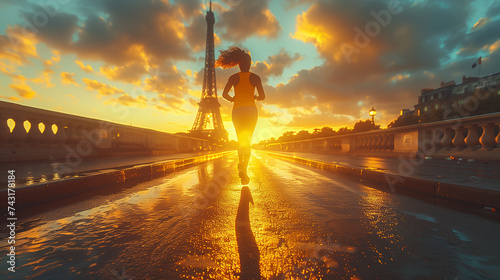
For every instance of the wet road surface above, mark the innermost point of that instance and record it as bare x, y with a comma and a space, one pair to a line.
479, 174
304, 224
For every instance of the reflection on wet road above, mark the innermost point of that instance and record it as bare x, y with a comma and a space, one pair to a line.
304, 224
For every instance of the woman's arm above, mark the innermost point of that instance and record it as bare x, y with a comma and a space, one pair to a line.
260, 89
227, 88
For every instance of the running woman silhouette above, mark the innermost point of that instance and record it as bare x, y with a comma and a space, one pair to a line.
244, 111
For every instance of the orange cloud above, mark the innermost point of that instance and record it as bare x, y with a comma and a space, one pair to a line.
7, 68
493, 47
167, 80
163, 108
17, 46
130, 72
67, 78
272, 25
246, 19
399, 77
44, 78
173, 103
86, 68
101, 88
275, 64
155, 26
47, 63
11, 98
310, 32
480, 23
126, 100
24, 91
56, 58
325, 32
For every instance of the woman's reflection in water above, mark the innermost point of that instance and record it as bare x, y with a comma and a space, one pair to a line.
247, 247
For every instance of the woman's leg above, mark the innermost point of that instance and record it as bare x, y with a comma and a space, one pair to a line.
248, 133
244, 120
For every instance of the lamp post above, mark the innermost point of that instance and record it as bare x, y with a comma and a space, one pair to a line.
373, 112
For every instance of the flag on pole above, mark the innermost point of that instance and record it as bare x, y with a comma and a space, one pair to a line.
477, 62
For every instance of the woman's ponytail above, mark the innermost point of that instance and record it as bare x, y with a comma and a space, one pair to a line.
231, 57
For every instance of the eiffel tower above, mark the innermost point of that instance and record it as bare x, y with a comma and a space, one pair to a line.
209, 105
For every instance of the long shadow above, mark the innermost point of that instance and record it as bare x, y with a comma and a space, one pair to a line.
247, 247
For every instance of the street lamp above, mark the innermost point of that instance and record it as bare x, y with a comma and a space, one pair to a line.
373, 112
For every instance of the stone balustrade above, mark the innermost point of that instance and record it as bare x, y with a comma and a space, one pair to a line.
472, 137
28, 133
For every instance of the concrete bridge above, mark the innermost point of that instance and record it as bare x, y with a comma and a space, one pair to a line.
474, 137
57, 135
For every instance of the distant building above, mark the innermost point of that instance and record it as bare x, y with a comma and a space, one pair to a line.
449, 93
407, 112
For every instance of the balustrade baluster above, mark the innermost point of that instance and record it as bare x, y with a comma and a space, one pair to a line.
385, 142
458, 140
142, 140
447, 140
46, 136
136, 140
128, 138
437, 137
472, 139
378, 143
50, 136
372, 143
19, 134
368, 145
35, 136
391, 142
61, 136
487, 139
71, 131
115, 139
80, 132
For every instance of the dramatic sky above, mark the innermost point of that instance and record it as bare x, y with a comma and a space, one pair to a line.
323, 62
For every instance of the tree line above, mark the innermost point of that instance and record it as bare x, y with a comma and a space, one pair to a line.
326, 131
